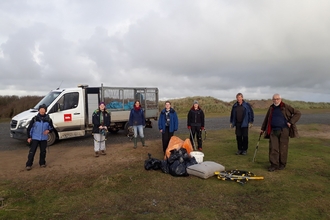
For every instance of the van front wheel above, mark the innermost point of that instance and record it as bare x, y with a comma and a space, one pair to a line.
51, 138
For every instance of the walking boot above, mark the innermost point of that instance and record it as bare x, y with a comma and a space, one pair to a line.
238, 152
135, 143
103, 152
96, 153
143, 142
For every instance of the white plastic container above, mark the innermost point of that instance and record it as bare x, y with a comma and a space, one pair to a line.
198, 156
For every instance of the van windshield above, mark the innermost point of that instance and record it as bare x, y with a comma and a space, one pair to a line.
48, 99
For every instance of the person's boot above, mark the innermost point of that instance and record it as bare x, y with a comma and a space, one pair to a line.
143, 142
103, 152
96, 153
135, 143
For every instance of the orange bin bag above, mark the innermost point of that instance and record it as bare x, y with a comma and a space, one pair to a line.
188, 146
175, 143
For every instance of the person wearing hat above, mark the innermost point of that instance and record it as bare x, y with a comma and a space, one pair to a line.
196, 123
39, 128
138, 122
101, 121
241, 118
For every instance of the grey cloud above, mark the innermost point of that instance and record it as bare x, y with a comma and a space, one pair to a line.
185, 48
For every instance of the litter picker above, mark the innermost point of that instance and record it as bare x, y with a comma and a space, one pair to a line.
192, 137
255, 151
239, 176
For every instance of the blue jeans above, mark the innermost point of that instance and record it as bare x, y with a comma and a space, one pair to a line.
138, 128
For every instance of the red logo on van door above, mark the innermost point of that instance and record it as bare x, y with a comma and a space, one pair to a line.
67, 117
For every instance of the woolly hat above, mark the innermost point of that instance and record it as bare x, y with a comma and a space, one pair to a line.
102, 103
42, 106
195, 102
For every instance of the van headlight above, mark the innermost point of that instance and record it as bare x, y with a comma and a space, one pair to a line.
24, 123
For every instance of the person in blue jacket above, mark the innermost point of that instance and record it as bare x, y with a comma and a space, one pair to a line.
39, 128
138, 122
168, 123
241, 118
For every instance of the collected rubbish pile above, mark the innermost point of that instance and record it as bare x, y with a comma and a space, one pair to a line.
176, 164
180, 160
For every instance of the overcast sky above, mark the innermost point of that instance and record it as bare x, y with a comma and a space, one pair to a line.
183, 47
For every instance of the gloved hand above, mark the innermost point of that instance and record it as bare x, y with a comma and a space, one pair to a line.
189, 127
202, 128
250, 125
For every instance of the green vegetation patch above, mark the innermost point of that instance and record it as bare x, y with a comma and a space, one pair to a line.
127, 191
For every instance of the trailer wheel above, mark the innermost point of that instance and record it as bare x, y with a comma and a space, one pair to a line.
51, 138
114, 131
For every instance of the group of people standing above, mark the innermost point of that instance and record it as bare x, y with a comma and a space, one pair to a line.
278, 126
168, 123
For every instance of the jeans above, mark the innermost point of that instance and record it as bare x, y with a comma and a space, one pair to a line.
138, 128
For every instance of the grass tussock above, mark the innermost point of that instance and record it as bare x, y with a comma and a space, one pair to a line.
126, 191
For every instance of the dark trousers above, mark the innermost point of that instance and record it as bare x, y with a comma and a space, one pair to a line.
166, 137
242, 137
196, 131
278, 147
32, 152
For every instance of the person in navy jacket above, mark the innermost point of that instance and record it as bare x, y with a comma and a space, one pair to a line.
241, 118
138, 122
39, 128
168, 123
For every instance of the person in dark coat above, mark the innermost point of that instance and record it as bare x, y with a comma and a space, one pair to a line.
241, 117
39, 128
101, 121
138, 122
279, 124
168, 123
195, 124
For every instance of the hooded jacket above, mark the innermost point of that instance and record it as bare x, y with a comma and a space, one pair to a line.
38, 125
96, 118
196, 117
174, 121
136, 117
248, 114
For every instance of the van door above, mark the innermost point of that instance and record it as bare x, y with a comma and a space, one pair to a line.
68, 116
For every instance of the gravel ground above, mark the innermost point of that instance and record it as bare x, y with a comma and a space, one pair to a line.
8, 143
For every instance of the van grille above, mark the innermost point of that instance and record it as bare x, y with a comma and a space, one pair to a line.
13, 123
